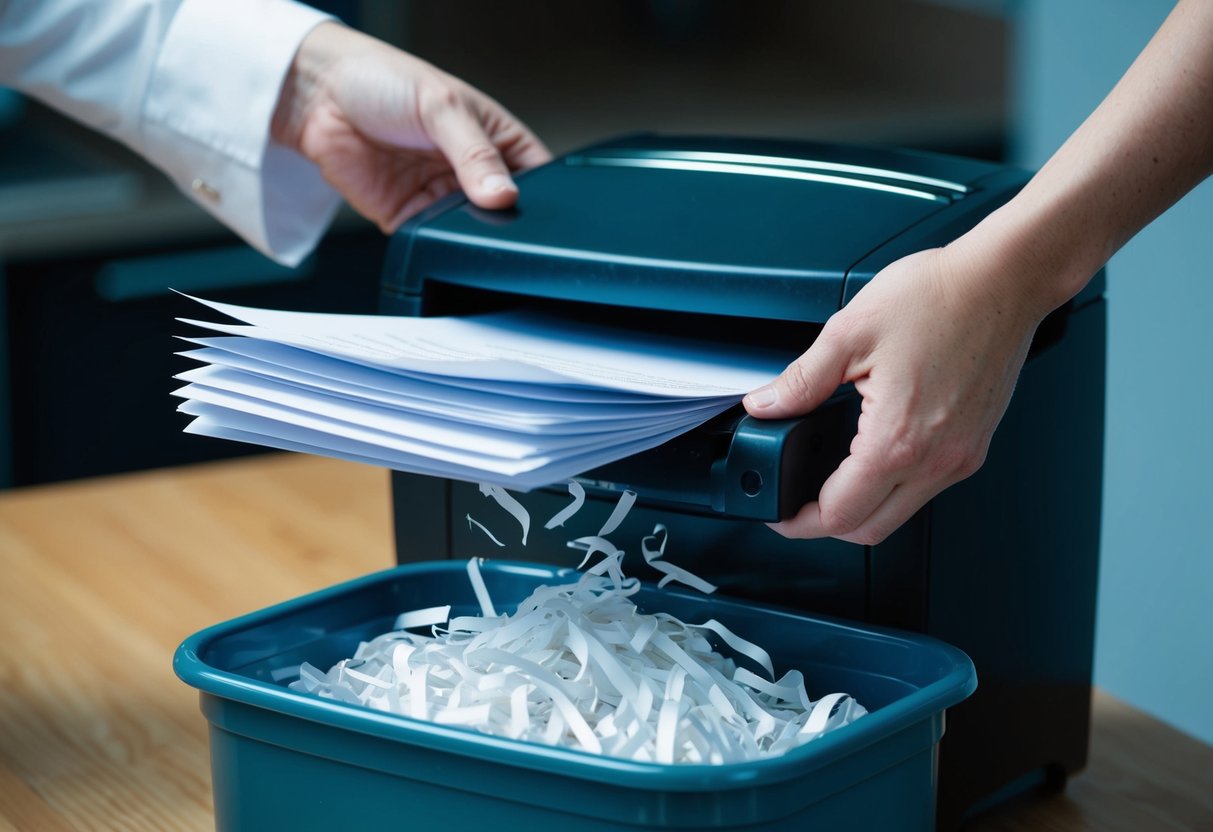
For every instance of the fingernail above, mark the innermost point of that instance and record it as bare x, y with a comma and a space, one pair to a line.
762, 397
495, 182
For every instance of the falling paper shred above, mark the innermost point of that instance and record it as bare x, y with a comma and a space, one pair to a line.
507, 502
578, 494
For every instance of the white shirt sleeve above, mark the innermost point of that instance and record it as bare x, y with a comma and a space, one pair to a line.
192, 86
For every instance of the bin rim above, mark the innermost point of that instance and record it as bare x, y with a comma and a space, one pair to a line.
955, 684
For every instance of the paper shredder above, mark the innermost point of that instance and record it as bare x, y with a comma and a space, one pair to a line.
760, 241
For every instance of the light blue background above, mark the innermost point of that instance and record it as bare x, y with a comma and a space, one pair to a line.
1154, 643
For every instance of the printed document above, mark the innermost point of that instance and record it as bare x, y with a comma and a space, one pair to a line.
516, 399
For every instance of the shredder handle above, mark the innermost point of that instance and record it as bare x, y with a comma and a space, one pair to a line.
775, 466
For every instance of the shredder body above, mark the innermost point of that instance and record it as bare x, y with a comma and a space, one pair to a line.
759, 242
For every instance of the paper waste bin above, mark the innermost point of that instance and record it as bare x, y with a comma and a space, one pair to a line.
287, 760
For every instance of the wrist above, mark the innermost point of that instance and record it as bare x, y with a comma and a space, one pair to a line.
1034, 254
303, 83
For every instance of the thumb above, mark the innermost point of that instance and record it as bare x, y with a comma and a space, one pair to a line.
806, 383
477, 163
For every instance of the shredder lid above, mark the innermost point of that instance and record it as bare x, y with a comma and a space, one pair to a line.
755, 228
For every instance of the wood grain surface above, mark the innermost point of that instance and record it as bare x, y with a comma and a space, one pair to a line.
100, 580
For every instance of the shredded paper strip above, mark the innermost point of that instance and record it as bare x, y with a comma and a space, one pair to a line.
580, 666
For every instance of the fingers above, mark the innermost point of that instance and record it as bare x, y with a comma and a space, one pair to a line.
807, 382
530, 153
847, 500
521, 148
435, 190
874, 491
461, 137
857, 516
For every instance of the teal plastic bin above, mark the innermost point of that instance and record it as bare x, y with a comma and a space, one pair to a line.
286, 760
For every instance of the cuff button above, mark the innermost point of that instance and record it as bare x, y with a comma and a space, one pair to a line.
205, 191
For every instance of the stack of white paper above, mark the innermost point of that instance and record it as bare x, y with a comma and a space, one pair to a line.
511, 398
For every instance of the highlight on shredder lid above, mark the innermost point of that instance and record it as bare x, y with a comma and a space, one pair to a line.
728, 226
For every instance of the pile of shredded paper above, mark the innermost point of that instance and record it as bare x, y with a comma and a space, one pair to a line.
580, 666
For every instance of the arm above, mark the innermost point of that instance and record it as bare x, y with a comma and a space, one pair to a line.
265, 112
189, 85
935, 342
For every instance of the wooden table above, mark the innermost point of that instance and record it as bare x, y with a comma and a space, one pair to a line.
100, 580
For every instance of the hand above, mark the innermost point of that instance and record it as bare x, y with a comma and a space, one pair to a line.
394, 134
933, 347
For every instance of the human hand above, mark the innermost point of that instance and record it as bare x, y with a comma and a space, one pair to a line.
934, 345
392, 133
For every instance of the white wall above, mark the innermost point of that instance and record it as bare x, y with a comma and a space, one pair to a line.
1154, 643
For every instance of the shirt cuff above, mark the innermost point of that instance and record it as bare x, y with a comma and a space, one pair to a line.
206, 121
